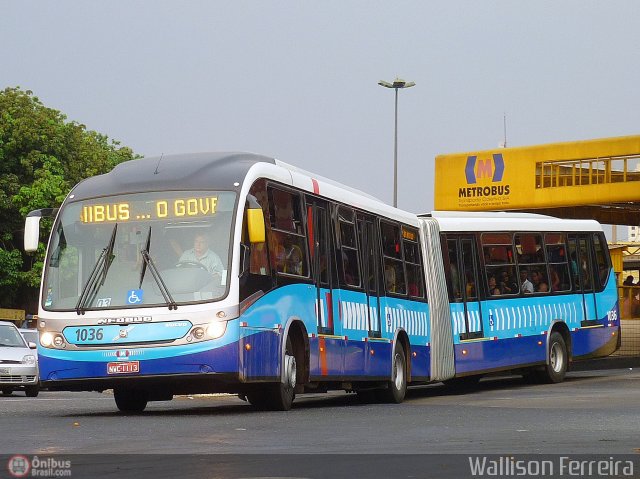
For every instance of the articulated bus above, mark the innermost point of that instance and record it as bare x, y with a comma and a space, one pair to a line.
239, 273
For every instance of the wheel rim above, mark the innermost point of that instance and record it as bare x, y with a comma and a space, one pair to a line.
556, 358
290, 371
398, 372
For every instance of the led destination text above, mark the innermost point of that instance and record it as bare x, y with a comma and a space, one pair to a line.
151, 210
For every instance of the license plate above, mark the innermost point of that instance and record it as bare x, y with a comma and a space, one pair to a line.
123, 367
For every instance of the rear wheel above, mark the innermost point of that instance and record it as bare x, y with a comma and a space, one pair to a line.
397, 387
557, 360
32, 391
130, 400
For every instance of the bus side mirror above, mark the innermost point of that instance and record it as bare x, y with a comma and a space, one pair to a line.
31, 233
255, 225
32, 228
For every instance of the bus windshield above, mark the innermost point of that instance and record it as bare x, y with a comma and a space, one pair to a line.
140, 250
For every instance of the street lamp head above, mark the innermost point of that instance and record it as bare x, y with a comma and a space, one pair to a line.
397, 83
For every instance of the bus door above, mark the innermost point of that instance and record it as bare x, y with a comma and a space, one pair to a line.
329, 349
463, 290
370, 259
581, 266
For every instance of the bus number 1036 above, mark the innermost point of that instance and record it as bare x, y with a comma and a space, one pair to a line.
89, 334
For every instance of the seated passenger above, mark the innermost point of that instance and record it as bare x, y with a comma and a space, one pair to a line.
390, 278
493, 288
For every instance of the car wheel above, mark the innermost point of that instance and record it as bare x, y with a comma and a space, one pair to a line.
32, 391
7, 392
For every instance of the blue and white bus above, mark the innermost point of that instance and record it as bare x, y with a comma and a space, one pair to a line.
234, 272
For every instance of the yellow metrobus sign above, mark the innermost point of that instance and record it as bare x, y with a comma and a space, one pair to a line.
603, 171
12, 314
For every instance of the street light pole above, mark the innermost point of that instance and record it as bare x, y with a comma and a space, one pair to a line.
396, 85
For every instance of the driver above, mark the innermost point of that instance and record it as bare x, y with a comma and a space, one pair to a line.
200, 253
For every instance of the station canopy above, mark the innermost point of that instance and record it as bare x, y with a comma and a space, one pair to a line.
593, 179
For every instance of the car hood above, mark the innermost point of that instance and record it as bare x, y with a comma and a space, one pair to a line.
14, 354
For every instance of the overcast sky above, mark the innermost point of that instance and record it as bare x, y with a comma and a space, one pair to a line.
297, 80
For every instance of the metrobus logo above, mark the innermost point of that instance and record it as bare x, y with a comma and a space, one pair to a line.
484, 168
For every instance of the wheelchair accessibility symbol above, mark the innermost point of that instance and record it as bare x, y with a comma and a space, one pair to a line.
135, 296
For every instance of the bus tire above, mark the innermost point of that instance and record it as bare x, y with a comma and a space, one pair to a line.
397, 387
130, 400
282, 394
557, 360
278, 396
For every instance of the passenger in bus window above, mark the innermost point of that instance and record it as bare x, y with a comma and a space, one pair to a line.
201, 254
293, 260
390, 278
539, 283
527, 286
507, 286
493, 287
471, 286
555, 279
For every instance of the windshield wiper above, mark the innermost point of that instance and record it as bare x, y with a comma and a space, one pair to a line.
147, 261
100, 269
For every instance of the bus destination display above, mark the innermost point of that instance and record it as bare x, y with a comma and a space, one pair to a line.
157, 209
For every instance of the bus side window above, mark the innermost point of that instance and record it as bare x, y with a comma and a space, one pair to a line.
602, 260
559, 276
455, 289
348, 254
392, 257
287, 242
413, 262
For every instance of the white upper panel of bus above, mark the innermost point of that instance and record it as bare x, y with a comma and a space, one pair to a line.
448, 220
505, 221
299, 178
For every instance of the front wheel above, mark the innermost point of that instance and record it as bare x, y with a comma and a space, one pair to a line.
130, 400
279, 396
397, 387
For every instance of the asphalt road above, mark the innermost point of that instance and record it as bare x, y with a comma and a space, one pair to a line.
592, 412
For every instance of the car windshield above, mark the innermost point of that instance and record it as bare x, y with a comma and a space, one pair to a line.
10, 337
138, 250
30, 336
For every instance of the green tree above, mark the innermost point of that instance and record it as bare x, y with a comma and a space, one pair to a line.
42, 156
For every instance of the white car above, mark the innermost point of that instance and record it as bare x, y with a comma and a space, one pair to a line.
18, 362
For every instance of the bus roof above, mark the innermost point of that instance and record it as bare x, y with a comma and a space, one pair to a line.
506, 221
196, 171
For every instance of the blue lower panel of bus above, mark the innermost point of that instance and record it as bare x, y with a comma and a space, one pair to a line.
56, 365
488, 355
340, 358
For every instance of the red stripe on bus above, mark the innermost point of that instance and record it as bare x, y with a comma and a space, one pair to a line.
329, 299
324, 370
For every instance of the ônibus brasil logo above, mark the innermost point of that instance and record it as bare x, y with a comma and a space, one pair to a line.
19, 466
491, 169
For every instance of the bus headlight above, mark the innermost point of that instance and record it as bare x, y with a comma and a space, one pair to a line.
46, 339
58, 341
216, 329
29, 359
